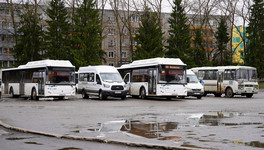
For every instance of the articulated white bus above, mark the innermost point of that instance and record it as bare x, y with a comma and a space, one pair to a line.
44, 78
231, 80
162, 77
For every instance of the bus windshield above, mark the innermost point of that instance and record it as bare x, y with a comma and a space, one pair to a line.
192, 79
169, 75
246, 74
60, 76
111, 77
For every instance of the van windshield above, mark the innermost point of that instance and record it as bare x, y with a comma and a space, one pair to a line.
192, 79
111, 77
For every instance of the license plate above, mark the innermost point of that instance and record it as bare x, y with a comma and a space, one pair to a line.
197, 93
117, 92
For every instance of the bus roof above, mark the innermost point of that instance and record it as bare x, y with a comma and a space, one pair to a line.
153, 62
43, 63
222, 68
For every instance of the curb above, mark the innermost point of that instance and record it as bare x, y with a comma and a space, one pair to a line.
92, 139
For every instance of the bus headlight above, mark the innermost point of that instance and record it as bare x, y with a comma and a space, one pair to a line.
106, 86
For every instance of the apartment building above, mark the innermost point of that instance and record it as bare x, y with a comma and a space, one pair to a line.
118, 32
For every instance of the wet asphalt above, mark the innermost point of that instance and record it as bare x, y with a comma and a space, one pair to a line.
209, 123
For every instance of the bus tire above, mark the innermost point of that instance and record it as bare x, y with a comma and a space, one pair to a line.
249, 95
84, 95
101, 95
142, 93
229, 93
34, 94
11, 91
217, 94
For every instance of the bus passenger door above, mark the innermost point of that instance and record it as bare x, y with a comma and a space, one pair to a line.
127, 82
41, 83
21, 83
152, 73
219, 82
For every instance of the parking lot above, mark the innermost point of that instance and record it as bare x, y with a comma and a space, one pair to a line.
209, 123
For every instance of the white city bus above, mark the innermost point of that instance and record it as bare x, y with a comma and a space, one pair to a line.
162, 77
44, 78
231, 80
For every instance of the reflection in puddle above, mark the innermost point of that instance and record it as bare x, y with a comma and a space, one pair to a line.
150, 130
253, 144
70, 148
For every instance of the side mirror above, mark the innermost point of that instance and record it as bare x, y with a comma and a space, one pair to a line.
188, 79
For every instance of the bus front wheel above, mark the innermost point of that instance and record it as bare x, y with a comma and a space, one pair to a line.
34, 94
229, 93
142, 94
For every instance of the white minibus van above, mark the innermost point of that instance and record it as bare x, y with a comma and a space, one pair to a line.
101, 81
194, 87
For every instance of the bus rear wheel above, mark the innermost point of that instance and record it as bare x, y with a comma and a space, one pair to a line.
34, 94
142, 94
249, 95
229, 93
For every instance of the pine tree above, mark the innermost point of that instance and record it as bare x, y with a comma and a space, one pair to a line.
199, 50
254, 52
222, 56
179, 41
86, 37
149, 39
29, 45
56, 38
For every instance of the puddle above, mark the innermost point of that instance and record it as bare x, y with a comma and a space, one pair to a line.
34, 143
70, 148
159, 130
253, 144
18, 138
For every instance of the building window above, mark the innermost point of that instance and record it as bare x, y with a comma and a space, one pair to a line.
123, 43
111, 31
111, 64
111, 19
124, 54
124, 31
110, 54
241, 45
235, 50
111, 43
135, 18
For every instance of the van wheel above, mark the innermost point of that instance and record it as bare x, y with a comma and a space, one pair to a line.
229, 93
12, 92
249, 95
123, 97
84, 95
101, 96
34, 94
199, 97
142, 94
